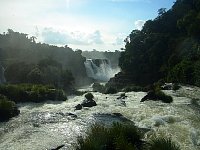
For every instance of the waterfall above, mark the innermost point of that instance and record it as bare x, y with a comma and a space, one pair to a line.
2, 77
100, 69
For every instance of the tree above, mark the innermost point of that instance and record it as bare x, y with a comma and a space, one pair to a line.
161, 11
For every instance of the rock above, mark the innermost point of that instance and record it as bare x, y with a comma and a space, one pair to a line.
120, 80
150, 96
78, 107
167, 86
88, 103
118, 114
108, 119
170, 86
123, 103
156, 96
122, 96
59, 147
72, 115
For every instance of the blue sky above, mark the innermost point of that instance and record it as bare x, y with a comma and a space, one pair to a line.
80, 24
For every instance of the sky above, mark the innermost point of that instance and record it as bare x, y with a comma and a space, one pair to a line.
81, 24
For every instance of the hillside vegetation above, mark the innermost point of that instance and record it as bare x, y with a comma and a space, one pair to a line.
167, 47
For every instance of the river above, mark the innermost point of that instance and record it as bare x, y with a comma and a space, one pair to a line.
44, 126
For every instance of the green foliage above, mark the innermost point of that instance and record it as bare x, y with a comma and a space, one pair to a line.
110, 90
8, 108
163, 97
166, 48
47, 71
182, 73
31, 93
163, 144
22, 55
89, 96
117, 137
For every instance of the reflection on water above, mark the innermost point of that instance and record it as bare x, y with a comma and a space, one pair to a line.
46, 126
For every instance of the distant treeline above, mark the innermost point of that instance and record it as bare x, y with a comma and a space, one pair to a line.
167, 48
26, 61
21, 54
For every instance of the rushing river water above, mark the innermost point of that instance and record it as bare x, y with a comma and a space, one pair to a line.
47, 125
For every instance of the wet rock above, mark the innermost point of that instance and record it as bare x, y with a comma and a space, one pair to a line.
170, 86
36, 125
88, 103
59, 147
118, 114
150, 96
120, 80
156, 96
108, 119
78, 107
167, 86
122, 96
72, 115
123, 103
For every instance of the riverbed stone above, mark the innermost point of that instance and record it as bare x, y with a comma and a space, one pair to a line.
78, 107
88, 103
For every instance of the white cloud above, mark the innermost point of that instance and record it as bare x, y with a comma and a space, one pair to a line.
139, 24
56, 22
51, 36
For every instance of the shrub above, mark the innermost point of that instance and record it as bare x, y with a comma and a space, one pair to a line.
31, 92
118, 136
89, 96
157, 95
8, 108
163, 97
111, 90
163, 144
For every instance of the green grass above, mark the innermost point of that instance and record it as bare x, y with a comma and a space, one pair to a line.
163, 144
121, 137
116, 137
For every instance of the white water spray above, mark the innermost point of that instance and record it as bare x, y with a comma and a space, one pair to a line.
42, 126
100, 69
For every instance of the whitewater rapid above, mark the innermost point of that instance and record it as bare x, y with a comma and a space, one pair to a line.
48, 125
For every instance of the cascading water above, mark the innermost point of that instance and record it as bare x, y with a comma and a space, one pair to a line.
2, 77
100, 69
43, 126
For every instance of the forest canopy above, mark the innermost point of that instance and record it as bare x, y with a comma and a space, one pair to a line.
167, 47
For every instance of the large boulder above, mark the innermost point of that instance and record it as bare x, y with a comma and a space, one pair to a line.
156, 96
78, 107
150, 96
88, 103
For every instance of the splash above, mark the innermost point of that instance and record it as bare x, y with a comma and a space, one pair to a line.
100, 69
